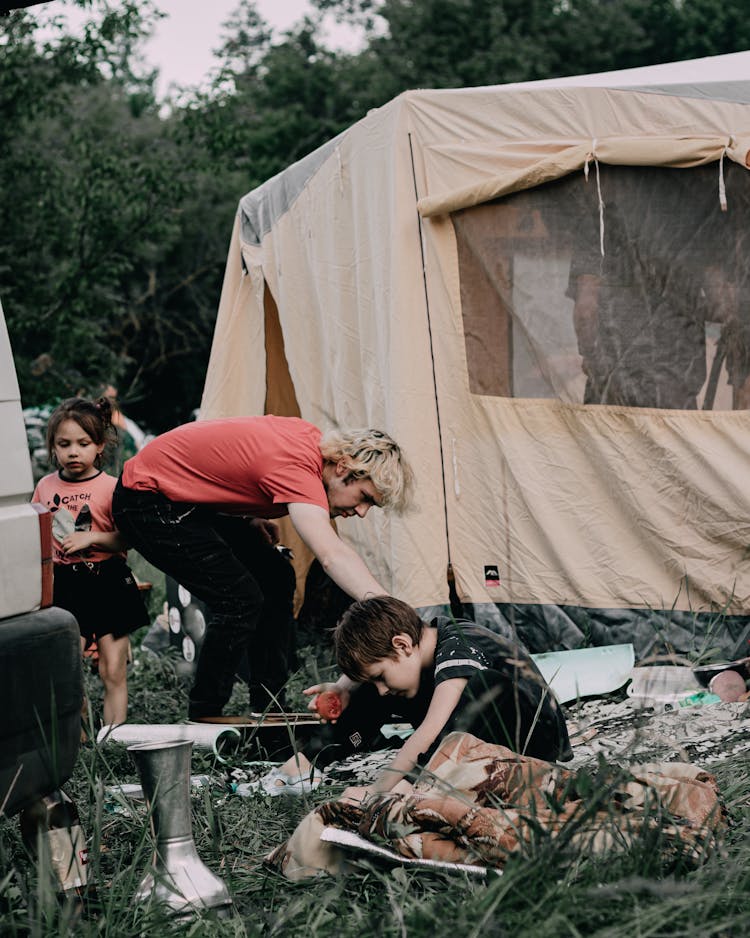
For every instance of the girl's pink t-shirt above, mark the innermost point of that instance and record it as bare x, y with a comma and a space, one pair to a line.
244, 465
77, 506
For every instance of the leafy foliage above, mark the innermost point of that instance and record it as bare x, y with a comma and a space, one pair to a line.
117, 208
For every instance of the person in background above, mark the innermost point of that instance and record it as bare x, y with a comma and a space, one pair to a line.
441, 677
130, 437
91, 577
198, 502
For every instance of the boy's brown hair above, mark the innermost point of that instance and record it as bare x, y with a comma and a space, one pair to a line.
365, 633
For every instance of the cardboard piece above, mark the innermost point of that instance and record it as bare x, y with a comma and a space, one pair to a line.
586, 672
357, 844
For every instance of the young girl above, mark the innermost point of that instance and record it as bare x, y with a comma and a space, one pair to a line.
92, 579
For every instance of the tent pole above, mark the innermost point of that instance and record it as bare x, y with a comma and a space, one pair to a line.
449, 571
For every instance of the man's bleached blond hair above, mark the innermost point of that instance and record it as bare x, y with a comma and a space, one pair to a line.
372, 454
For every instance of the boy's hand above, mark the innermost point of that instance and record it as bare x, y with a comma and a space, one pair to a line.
358, 794
317, 689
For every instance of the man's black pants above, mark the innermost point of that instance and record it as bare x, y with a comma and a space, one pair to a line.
247, 585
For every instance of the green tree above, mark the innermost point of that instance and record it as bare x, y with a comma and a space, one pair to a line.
709, 27
275, 100
455, 43
103, 268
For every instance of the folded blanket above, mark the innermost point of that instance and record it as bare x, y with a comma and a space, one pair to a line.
481, 803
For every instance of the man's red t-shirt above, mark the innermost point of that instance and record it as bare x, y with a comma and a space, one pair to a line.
244, 465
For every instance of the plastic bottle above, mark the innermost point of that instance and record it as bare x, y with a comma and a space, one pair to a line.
699, 699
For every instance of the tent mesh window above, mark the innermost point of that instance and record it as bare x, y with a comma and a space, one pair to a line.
631, 287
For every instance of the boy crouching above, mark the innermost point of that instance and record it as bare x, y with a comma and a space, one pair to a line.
441, 677
454, 674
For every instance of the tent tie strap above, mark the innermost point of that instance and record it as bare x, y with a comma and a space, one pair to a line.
589, 157
722, 187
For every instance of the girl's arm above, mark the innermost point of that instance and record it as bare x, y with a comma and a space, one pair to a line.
441, 707
110, 541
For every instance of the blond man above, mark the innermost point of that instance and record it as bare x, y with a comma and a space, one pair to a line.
199, 502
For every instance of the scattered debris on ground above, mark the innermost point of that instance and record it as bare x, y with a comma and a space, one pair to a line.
617, 730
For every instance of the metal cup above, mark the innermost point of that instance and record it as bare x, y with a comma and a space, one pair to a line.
178, 877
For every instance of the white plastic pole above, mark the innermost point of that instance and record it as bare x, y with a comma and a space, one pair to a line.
201, 735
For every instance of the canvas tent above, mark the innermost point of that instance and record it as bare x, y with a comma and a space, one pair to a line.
541, 291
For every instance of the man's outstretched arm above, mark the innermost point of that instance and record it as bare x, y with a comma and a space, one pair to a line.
341, 562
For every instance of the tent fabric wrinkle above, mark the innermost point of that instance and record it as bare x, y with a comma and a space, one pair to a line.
624, 151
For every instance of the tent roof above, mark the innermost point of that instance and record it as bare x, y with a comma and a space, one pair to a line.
721, 79
718, 77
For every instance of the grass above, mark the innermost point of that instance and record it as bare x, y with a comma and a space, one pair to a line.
548, 894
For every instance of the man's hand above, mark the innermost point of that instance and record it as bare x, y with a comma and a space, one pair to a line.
269, 530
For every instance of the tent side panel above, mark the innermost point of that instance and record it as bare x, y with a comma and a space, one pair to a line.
602, 507
236, 377
343, 265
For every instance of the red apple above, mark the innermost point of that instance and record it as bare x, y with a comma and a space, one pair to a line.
328, 705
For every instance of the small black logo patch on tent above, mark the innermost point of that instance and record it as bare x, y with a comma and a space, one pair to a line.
491, 575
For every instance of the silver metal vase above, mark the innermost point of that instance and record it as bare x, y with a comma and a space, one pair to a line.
178, 877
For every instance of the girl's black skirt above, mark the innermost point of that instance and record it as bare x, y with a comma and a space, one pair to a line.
104, 597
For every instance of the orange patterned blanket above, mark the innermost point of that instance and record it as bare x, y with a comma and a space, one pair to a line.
480, 803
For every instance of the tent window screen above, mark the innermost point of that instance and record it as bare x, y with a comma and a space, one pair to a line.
661, 318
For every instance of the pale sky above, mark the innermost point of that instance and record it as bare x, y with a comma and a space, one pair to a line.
184, 40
